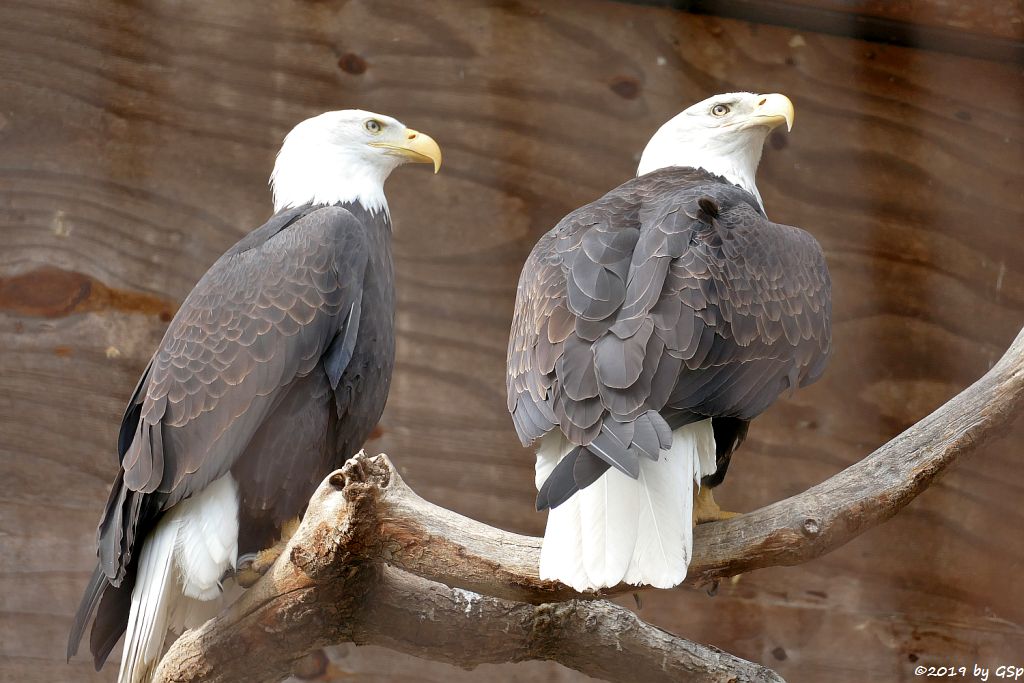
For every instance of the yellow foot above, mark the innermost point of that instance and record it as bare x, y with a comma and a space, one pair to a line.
705, 509
251, 569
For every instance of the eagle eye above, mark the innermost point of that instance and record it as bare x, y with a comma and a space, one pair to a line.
720, 110
373, 126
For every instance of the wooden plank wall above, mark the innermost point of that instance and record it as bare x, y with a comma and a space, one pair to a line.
984, 29
992, 18
135, 143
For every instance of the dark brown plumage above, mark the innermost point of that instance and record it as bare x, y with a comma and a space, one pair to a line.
670, 299
275, 369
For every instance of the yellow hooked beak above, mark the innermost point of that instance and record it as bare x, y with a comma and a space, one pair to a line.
772, 110
417, 147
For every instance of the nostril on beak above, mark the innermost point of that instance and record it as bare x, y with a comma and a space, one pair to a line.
411, 135
763, 100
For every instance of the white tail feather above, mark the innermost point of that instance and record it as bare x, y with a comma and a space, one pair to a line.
664, 530
561, 557
618, 529
609, 509
180, 566
148, 613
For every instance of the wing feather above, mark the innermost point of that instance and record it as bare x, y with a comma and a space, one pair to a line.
263, 315
644, 300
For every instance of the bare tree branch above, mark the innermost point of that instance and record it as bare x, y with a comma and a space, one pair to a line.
329, 585
430, 541
421, 617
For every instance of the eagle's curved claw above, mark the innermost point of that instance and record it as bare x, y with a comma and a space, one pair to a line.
705, 509
252, 566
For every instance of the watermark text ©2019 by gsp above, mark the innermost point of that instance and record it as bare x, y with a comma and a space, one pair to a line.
1008, 672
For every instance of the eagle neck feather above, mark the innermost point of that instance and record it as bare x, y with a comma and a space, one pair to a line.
327, 176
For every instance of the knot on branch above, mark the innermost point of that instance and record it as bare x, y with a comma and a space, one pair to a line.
342, 519
543, 629
551, 619
810, 527
362, 474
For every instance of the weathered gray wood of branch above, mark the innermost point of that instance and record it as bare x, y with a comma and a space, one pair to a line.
372, 562
330, 586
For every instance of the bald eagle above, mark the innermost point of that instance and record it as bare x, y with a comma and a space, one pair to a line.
650, 327
273, 372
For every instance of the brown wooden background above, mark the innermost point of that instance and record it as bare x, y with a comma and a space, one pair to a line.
135, 143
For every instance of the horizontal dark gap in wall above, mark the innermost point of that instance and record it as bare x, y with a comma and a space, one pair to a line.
851, 25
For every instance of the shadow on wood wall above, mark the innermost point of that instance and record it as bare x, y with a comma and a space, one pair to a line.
135, 143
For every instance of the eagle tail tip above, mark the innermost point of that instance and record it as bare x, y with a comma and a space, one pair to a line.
621, 530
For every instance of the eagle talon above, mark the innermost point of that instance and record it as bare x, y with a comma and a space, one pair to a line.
252, 566
705, 509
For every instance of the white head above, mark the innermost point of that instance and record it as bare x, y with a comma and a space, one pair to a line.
723, 134
345, 156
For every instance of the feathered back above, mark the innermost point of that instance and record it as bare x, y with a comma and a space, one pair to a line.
670, 299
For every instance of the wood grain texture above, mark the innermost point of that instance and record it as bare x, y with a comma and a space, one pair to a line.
135, 143
991, 30
997, 18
